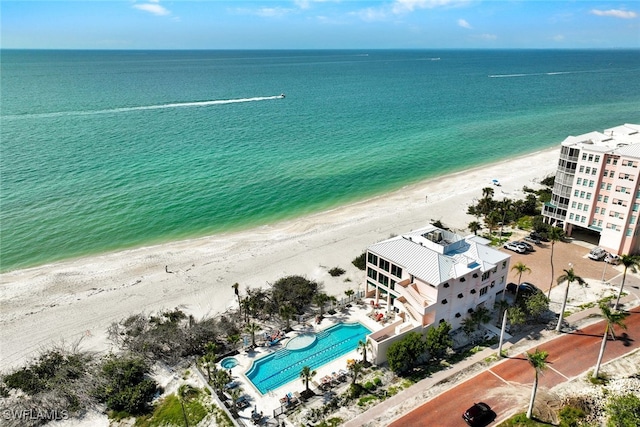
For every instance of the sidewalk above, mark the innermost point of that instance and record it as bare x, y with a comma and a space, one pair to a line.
407, 400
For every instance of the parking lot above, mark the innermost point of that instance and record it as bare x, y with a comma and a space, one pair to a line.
565, 254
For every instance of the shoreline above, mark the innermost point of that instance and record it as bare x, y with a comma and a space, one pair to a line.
76, 300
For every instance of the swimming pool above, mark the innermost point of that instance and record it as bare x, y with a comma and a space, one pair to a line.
283, 366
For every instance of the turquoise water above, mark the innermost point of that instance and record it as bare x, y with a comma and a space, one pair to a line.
105, 150
285, 365
229, 362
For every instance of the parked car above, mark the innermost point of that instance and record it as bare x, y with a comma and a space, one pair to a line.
612, 259
526, 288
597, 254
513, 247
538, 236
526, 246
480, 414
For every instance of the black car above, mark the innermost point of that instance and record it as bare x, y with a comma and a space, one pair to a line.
525, 288
480, 414
538, 236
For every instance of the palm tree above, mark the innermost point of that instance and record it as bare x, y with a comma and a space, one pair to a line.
538, 361
307, 374
554, 234
349, 293
252, 328
505, 206
611, 318
235, 394
474, 227
286, 312
363, 346
570, 277
320, 299
185, 393
356, 371
520, 268
629, 261
487, 193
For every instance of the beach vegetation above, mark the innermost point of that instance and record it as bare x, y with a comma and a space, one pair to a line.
124, 385
438, 340
169, 336
337, 271
360, 261
403, 355
298, 291
623, 411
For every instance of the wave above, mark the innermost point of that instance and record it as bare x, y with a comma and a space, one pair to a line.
550, 73
141, 108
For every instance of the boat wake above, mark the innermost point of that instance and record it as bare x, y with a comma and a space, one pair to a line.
142, 108
551, 73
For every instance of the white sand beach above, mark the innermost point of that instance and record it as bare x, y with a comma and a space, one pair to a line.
78, 299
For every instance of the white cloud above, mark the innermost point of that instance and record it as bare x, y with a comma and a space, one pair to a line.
371, 14
464, 24
404, 6
489, 37
153, 7
558, 38
615, 13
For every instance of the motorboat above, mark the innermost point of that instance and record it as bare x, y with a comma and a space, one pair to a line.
282, 95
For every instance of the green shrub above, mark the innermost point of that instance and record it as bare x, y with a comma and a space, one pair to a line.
570, 416
360, 261
377, 381
337, 271
624, 411
369, 386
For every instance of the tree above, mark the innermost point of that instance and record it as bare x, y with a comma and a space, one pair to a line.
487, 193
356, 372
570, 277
520, 268
629, 261
286, 312
624, 411
403, 354
474, 227
506, 207
220, 379
554, 234
538, 360
438, 340
320, 300
185, 393
252, 328
363, 346
349, 293
306, 374
536, 304
611, 318
235, 394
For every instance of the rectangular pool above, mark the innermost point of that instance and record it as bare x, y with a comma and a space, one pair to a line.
310, 349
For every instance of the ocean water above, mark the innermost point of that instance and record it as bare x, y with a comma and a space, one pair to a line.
106, 150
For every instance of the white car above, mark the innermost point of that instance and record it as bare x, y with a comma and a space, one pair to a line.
597, 254
515, 247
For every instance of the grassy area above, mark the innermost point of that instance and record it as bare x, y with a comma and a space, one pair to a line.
169, 413
521, 420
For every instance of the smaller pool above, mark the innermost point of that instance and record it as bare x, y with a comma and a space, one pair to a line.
301, 341
229, 362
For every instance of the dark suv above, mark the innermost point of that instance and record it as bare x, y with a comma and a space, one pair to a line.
525, 288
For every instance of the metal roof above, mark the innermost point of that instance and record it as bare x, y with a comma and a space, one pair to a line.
423, 260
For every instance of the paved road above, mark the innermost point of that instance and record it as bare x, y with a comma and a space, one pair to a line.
506, 387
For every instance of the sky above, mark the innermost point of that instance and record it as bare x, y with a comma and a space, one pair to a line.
319, 24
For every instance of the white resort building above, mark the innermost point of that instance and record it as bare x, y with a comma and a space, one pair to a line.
429, 276
597, 187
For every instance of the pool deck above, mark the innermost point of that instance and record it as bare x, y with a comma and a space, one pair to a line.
270, 402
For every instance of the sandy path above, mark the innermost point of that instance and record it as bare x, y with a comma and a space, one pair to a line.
78, 299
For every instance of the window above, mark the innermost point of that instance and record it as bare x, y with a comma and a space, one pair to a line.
570, 216
504, 264
581, 168
579, 206
588, 196
384, 264
473, 291
460, 296
588, 170
444, 301
485, 275
383, 279
484, 291
629, 232
597, 159
632, 219
576, 193
446, 285
372, 273
606, 199
596, 210
591, 183
609, 186
373, 259
573, 204
396, 271
579, 181
582, 193
591, 157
